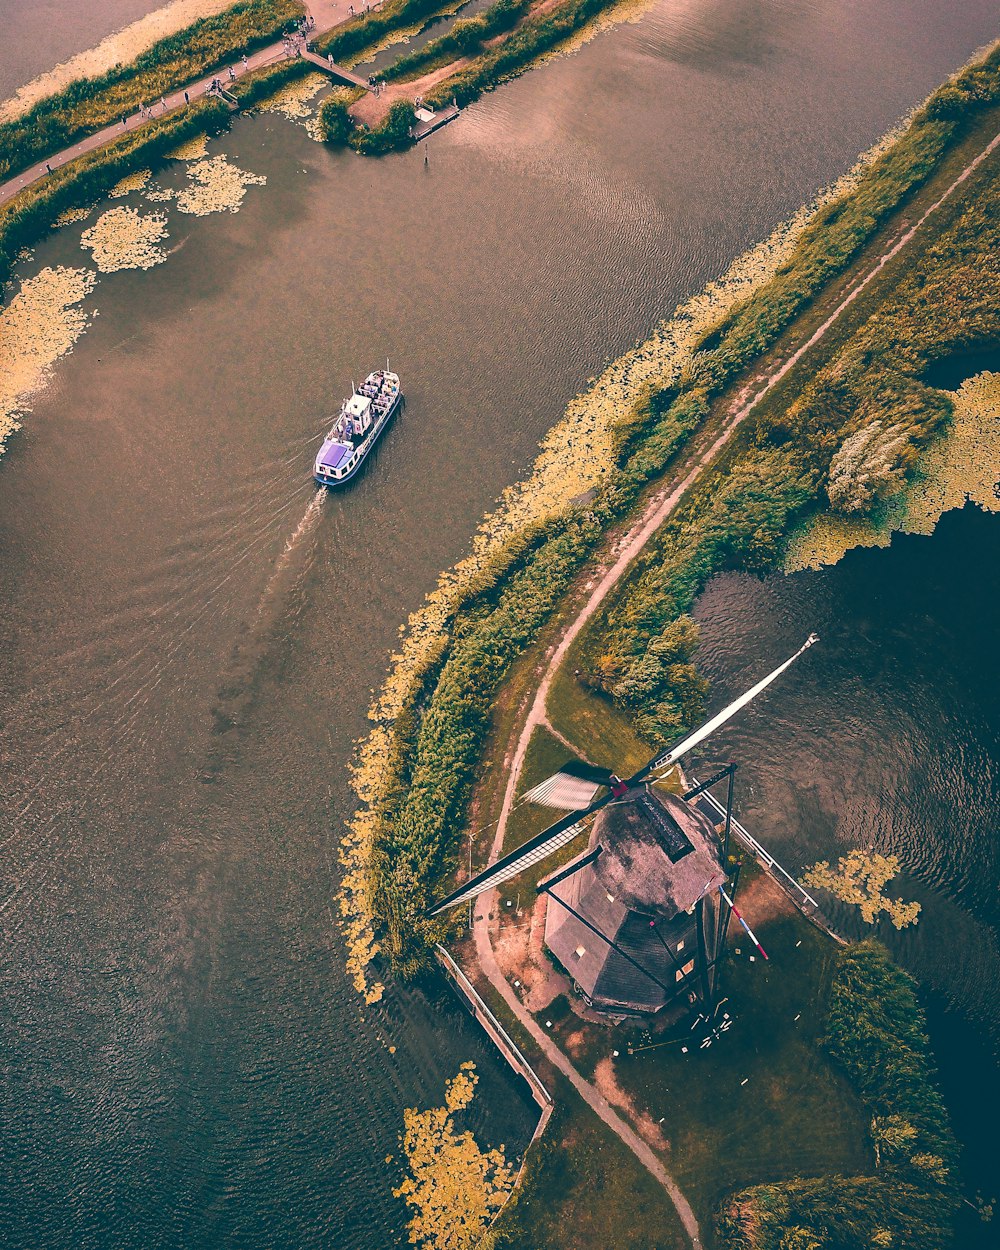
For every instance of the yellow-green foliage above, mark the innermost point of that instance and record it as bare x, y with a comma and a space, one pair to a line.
85, 106
961, 466
455, 1188
860, 878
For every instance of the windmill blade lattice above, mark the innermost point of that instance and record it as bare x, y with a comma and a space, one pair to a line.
571, 826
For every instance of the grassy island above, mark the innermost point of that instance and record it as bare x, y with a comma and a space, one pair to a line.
794, 388
861, 383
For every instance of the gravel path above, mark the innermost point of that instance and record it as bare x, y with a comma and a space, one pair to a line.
657, 511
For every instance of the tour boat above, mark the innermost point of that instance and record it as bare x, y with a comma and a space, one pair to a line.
362, 419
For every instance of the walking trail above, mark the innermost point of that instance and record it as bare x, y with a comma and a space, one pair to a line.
630, 545
326, 13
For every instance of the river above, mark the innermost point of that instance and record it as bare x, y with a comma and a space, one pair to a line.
190, 635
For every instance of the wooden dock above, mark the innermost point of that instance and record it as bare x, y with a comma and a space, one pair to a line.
335, 71
427, 124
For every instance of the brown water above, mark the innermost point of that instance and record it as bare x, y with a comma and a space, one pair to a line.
39, 35
190, 636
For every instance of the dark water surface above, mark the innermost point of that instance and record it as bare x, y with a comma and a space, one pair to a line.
887, 737
189, 636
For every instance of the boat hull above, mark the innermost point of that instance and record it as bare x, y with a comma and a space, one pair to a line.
331, 481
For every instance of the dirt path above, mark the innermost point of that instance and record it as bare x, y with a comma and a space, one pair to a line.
589, 1093
658, 510
372, 110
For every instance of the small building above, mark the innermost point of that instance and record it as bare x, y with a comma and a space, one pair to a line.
636, 927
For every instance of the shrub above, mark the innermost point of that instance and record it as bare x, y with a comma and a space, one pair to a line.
335, 121
393, 134
88, 104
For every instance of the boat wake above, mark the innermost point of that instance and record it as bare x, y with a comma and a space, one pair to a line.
259, 655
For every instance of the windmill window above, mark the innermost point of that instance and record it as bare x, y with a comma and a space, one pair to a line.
680, 945
685, 971
581, 951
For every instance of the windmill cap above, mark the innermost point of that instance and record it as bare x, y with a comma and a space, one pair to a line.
659, 854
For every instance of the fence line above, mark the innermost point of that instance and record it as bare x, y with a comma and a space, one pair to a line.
501, 1038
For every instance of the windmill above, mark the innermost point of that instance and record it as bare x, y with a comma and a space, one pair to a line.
641, 914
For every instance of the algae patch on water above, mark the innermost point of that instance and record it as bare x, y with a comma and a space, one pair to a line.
215, 186
40, 324
294, 99
194, 149
454, 1188
73, 215
860, 878
123, 238
962, 466
131, 182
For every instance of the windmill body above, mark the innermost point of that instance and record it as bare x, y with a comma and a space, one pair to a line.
639, 919
635, 927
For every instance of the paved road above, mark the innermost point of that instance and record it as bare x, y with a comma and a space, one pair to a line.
327, 15
658, 510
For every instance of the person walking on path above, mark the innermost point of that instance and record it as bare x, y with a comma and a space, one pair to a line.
163, 101
124, 123
232, 74
246, 63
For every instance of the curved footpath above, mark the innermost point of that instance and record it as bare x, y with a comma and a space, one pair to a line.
628, 548
326, 13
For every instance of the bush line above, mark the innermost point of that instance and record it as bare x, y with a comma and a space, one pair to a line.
87, 105
435, 745
877, 1033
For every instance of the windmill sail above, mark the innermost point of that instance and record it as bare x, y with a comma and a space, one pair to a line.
574, 785
565, 830
531, 852
689, 742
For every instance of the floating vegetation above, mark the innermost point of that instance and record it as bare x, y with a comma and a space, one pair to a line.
630, 11
294, 99
575, 457
131, 182
122, 238
39, 325
454, 1189
962, 465
193, 150
72, 215
216, 186
859, 878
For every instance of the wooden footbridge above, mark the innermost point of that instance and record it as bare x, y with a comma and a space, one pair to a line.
339, 72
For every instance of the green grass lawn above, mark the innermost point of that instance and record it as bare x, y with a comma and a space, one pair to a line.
601, 732
584, 1190
761, 1103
